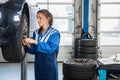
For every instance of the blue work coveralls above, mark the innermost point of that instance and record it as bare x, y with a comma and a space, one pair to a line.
46, 51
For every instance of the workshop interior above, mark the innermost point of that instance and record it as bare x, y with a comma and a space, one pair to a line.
89, 45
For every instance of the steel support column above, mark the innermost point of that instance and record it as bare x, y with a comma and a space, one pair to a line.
86, 15
24, 69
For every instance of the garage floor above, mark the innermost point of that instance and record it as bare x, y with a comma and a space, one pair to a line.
12, 71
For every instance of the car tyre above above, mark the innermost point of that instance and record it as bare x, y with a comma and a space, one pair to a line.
14, 52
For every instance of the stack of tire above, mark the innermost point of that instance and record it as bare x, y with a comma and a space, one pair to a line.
79, 69
86, 47
84, 65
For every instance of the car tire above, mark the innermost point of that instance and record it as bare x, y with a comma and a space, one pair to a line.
14, 52
88, 50
79, 69
87, 42
87, 56
64, 78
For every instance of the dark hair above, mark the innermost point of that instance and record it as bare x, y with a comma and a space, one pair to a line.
48, 15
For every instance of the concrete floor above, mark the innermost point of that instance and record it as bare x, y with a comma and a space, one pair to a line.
12, 71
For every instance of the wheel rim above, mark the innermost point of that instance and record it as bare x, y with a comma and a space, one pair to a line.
25, 32
25, 28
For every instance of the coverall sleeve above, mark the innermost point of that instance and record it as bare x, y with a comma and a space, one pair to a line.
50, 46
31, 50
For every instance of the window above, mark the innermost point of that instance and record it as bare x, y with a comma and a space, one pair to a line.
58, 10
109, 24
110, 10
110, 39
63, 25
62, 1
66, 39
61, 10
110, 1
109, 27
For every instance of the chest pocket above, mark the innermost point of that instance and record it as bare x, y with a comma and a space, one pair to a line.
46, 36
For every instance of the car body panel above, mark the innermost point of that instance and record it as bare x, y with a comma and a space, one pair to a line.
10, 16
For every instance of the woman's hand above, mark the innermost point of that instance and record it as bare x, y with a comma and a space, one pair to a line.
25, 42
28, 41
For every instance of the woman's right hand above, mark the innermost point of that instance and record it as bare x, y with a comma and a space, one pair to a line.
25, 42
